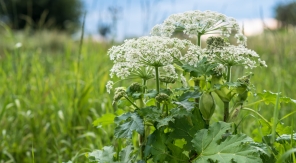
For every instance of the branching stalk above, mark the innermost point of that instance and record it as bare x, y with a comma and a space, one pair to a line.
131, 102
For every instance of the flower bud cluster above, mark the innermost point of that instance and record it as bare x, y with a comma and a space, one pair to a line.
161, 97
167, 79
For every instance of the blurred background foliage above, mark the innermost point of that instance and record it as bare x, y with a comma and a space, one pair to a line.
286, 14
59, 14
51, 93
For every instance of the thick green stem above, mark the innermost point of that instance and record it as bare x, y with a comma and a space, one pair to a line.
226, 111
142, 145
198, 41
142, 136
226, 104
144, 85
166, 109
157, 85
228, 78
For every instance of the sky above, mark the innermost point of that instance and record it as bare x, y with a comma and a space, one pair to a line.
136, 17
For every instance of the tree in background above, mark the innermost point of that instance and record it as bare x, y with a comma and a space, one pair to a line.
286, 13
60, 14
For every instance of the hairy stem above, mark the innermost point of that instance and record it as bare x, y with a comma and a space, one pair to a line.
157, 85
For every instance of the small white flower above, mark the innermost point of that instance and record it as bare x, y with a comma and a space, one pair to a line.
18, 45
109, 86
241, 39
262, 63
220, 69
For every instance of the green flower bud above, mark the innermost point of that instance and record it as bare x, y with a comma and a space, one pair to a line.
162, 97
207, 105
135, 87
119, 93
167, 79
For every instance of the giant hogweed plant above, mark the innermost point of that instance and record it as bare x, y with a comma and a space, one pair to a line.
164, 115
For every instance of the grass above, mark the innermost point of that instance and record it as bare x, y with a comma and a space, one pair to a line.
39, 113
43, 121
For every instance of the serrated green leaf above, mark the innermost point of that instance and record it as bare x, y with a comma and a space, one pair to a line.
186, 126
156, 146
150, 102
233, 84
151, 93
122, 103
262, 148
136, 96
286, 137
125, 154
210, 146
179, 112
189, 105
151, 113
200, 69
270, 97
131, 122
177, 155
189, 95
287, 100
106, 119
102, 156
164, 121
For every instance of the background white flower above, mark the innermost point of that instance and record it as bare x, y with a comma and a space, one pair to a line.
195, 23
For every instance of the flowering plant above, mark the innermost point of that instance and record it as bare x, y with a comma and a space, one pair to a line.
167, 116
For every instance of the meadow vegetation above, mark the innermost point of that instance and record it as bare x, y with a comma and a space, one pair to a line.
50, 94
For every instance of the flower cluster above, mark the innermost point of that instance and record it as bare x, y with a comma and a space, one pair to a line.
235, 55
151, 51
195, 23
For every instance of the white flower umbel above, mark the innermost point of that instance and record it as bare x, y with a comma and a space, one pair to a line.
134, 55
197, 23
235, 55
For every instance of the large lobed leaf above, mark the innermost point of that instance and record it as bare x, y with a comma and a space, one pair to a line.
161, 149
185, 127
211, 146
131, 122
